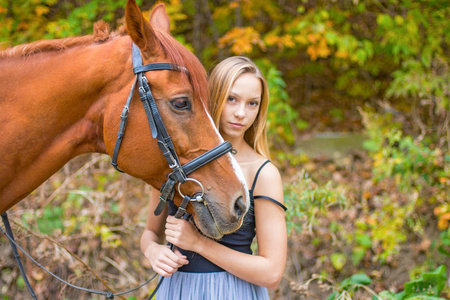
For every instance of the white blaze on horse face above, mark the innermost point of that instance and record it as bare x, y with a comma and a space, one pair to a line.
234, 163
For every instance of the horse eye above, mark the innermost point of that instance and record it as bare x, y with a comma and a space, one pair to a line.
182, 103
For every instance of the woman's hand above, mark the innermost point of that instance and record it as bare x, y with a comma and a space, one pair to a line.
163, 260
182, 234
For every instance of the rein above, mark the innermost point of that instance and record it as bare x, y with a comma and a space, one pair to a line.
178, 175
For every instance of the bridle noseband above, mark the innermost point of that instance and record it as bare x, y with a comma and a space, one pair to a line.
179, 173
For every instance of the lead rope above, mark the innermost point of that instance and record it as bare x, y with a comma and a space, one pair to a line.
181, 213
8, 233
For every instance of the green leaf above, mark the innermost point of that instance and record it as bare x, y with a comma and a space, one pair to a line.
338, 260
20, 283
430, 284
358, 254
360, 278
363, 239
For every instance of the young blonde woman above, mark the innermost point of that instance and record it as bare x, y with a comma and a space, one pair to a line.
202, 268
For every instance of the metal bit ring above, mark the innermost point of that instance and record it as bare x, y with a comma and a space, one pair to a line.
198, 198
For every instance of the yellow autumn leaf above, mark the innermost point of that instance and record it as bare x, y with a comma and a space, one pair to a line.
241, 40
322, 49
443, 180
371, 221
234, 4
312, 52
312, 38
287, 41
301, 39
271, 40
445, 216
442, 224
41, 10
341, 54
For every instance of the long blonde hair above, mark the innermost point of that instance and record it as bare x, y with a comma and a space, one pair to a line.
220, 83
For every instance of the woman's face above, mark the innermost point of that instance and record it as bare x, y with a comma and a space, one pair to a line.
241, 107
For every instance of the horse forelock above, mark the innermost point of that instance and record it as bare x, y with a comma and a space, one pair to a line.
101, 34
179, 55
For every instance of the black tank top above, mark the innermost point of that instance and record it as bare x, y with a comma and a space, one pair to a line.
239, 240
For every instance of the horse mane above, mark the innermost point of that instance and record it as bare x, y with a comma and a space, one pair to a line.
175, 51
179, 55
101, 34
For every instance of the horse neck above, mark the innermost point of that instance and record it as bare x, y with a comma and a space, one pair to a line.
52, 106
63, 93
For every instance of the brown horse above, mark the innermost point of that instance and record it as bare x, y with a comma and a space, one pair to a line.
63, 98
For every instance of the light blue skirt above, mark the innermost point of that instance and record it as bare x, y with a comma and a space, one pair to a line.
209, 286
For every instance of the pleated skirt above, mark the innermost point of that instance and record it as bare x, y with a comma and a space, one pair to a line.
209, 286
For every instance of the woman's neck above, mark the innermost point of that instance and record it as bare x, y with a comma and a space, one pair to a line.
244, 152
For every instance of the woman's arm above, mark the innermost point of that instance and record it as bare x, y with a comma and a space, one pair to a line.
266, 268
163, 260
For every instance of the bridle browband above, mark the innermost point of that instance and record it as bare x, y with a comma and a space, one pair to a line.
179, 173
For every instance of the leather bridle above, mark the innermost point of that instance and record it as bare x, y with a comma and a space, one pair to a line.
179, 173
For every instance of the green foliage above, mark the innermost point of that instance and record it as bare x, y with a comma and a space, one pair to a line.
415, 167
363, 242
20, 283
282, 118
444, 242
350, 285
307, 201
26, 21
338, 260
428, 287
51, 220
430, 284
413, 162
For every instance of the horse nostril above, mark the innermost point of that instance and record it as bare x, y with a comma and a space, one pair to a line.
239, 207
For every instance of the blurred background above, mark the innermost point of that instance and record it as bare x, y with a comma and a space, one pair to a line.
359, 125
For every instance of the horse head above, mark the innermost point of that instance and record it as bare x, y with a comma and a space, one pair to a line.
181, 98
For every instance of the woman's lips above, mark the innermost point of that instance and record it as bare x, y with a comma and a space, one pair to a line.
236, 125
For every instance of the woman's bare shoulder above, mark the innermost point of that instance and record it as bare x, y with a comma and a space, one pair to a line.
269, 173
269, 182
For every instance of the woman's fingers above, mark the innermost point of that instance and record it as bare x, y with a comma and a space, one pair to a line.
177, 258
182, 233
165, 262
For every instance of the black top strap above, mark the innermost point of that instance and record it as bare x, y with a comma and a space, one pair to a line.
264, 197
257, 173
273, 200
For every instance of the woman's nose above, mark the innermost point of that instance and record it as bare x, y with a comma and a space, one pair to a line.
239, 112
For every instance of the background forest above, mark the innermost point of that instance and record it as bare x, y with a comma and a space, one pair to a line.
359, 126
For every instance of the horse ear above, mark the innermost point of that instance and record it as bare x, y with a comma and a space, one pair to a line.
159, 18
139, 29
